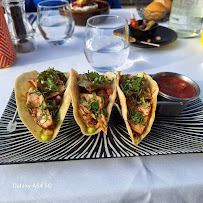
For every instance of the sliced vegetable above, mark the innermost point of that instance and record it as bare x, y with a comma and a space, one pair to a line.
45, 137
150, 24
132, 20
91, 130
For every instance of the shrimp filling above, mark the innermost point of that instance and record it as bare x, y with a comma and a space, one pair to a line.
44, 99
95, 91
138, 98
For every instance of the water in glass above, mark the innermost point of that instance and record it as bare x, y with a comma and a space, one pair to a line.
105, 50
106, 53
55, 21
57, 30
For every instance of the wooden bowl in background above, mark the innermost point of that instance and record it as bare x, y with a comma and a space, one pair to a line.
81, 17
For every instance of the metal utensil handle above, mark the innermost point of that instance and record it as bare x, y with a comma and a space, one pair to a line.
169, 103
15, 115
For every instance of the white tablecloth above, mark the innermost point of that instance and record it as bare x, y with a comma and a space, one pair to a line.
161, 178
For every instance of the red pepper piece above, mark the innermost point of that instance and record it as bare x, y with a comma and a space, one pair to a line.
133, 22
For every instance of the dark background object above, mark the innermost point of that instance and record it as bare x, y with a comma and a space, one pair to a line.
17, 17
135, 3
167, 36
142, 34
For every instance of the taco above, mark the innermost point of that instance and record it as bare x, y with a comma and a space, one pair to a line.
43, 100
138, 99
93, 96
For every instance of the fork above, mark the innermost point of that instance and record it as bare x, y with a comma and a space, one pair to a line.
11, 127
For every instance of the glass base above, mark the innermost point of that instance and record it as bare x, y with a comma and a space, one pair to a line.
104, 69
24, 45
58, 42
186, 33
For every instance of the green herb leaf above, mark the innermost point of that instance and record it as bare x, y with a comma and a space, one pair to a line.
48, 80
91, 80
137, 117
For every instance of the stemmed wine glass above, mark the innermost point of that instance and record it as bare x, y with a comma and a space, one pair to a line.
106, 42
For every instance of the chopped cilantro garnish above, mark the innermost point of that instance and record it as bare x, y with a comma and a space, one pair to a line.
47, 82
92, 105
142, 101
137, 117
36, 91
91, 80
135, 87
136, 91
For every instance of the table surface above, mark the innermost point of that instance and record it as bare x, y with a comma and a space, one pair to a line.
161, 178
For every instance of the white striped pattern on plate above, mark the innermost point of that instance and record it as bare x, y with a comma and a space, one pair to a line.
169, 135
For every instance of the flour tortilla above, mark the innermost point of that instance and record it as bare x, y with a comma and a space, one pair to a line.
75, 93
154, 89
21, 88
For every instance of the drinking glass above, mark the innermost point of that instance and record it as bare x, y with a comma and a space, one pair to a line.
106, 42
55, 21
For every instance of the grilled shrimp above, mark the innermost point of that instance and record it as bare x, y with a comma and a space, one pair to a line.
37, 105
139, 128
90, 119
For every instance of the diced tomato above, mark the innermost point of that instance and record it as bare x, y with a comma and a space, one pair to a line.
105, 96
133, 22
91, 90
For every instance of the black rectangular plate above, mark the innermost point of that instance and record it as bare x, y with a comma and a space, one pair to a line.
169, 135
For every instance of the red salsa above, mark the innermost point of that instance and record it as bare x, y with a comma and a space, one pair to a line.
176, 87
